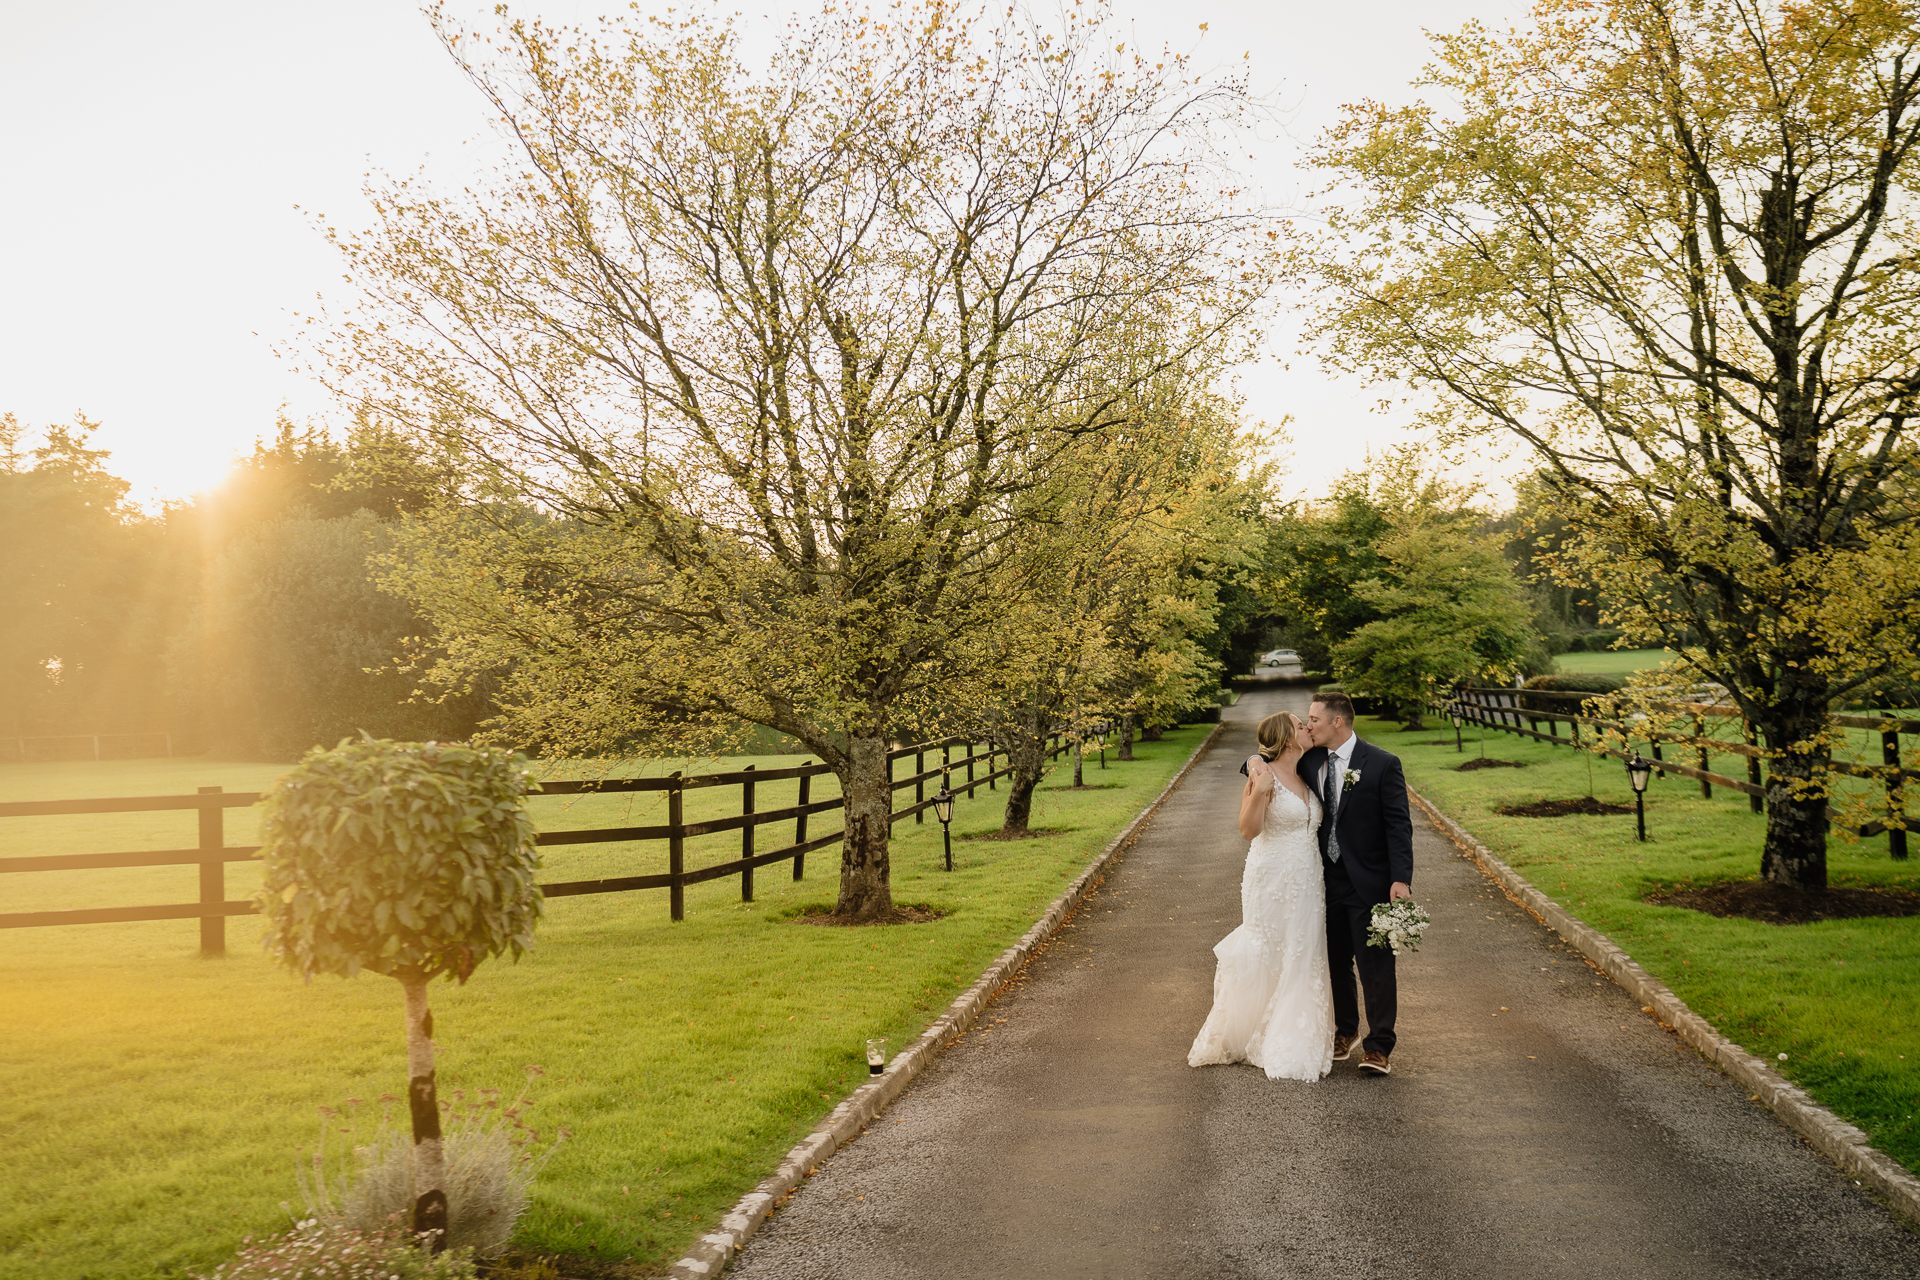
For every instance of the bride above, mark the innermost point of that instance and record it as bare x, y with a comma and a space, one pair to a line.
1272, 1000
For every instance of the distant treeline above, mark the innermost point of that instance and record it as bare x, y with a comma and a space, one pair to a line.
243, 621
246, 622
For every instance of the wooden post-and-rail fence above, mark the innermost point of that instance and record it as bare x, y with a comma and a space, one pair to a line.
1505, 709
212, 854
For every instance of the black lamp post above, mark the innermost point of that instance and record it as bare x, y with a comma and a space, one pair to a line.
943, 810
1453, 710
1639, 769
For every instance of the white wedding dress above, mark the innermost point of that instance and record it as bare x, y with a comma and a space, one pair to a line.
1272, 1000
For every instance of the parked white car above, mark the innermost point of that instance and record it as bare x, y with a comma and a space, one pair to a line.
1280, 658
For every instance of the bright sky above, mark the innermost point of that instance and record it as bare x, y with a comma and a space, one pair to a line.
162, 162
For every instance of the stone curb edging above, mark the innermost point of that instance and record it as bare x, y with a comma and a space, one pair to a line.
1833, 1137
711, 1253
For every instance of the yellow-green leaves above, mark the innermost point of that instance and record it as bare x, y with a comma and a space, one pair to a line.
399, 856
1670, 249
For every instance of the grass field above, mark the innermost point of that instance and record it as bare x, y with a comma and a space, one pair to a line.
1612, 662
158, 1103
1840, 998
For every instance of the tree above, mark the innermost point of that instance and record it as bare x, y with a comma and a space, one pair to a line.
1124, 548
1450, 610
292, 644
413, 860
288, 643
1321, 552
751, 372
86, 594
1670, 249
1402, 584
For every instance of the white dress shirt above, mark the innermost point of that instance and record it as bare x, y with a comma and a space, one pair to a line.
1336, 760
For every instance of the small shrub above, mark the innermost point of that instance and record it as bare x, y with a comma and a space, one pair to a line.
1579, 683
321, 1250
1593, 642
492, 1157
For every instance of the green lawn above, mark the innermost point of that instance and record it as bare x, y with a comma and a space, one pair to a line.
1612, 662
1840, 998
158, 1103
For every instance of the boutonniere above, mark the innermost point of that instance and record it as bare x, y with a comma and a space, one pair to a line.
1349, 777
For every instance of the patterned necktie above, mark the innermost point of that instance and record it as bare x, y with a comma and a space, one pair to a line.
1327, 803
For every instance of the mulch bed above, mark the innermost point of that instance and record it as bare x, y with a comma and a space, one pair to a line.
903, 913
1487, 762
1031, 833
1782, 904
1561, 808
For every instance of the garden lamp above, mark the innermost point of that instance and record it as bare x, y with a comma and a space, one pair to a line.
943, 810
1453, 712
1639, 769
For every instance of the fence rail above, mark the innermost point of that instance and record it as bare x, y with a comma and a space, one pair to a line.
212, 853
1505, 709
82, 746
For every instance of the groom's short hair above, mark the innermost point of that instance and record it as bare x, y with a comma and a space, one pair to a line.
1336, 703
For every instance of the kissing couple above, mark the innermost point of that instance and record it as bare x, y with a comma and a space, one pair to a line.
1283, 992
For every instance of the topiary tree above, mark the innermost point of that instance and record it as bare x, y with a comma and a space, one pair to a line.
410, 859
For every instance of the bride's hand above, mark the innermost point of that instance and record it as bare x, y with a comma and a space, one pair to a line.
1254, 797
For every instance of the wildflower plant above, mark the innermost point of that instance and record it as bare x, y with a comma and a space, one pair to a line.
492, 1157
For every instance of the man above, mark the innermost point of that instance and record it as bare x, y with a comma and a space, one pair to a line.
1366, 854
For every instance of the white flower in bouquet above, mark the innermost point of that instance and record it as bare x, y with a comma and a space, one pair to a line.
1398, 925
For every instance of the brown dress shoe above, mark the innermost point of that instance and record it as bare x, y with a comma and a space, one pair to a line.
1342, 1047
1375, 1061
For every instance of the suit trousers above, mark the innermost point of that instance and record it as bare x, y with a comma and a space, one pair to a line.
1347, 921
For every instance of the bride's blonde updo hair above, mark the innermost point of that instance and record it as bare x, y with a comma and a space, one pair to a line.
1276, 733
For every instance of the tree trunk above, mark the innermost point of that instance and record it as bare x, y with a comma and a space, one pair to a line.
866, 891
1151, 733
1126, 739
1795, 852
1027, 759
423, 1103
1414, 714
1079, 774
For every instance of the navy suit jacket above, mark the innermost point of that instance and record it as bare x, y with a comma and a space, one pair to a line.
1376, 829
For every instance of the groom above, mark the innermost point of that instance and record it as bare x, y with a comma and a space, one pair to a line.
1366, 853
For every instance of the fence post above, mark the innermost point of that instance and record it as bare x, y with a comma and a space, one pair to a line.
213, 877
676, 851
800, 823
919, 786
969, 771
1655, 744
992, 750
746, 836
1896, 795
1700, 735
1754, 802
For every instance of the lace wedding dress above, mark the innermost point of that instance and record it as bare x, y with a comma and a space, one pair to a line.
1272, 1001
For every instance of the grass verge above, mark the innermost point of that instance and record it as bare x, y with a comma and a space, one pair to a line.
1839, 998
158, 1103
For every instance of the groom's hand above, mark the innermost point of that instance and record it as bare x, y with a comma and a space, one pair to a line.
1401, 889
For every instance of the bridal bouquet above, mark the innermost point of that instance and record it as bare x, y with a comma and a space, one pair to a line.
1398, 925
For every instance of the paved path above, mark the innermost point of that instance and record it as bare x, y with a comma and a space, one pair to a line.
1536, 1123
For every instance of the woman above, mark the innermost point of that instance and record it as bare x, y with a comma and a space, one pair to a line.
1272, 1004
